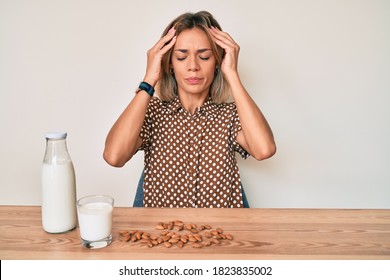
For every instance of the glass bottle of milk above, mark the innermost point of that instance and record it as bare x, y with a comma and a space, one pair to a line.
59, 212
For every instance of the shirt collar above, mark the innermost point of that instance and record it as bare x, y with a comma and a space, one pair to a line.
209, 108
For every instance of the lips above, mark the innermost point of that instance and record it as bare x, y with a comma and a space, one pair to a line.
193, 80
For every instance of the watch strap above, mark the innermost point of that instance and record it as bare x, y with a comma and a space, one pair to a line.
146, 87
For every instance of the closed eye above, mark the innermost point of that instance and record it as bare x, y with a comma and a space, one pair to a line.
204, 54
202, 58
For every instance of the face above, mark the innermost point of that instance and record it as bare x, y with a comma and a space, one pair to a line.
193, 62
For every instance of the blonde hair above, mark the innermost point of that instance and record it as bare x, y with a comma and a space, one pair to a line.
167, 86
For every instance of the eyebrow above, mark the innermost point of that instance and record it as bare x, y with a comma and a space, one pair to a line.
198, 51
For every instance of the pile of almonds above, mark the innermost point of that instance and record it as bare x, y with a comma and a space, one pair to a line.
172, 234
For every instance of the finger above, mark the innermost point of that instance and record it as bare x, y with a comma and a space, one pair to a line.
226, 43
168, 45
223, 36
223, 44
165, 39
227, 46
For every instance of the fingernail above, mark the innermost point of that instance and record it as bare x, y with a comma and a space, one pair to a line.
172, 29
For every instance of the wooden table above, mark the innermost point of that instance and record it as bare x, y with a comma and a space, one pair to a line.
258, 234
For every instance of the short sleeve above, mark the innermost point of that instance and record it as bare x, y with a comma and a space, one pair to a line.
235, 128
146, 130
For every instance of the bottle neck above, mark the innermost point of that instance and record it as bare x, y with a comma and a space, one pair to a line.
56, 151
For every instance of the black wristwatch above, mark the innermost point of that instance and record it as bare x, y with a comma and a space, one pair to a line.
146, 87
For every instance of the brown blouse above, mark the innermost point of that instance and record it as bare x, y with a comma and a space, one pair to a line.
190, 159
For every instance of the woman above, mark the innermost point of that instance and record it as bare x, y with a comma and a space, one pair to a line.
191, 133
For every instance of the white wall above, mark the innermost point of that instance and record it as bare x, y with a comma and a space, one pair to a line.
318, 69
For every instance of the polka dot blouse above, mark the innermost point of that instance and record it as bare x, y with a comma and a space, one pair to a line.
190, 159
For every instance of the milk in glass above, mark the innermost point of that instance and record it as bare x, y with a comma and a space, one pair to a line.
95, 220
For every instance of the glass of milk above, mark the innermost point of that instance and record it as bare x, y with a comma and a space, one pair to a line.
95, 220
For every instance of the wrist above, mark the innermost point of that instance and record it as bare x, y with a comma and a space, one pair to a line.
150, 81
232, 77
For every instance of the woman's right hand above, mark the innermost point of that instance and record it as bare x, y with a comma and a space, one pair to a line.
154, 57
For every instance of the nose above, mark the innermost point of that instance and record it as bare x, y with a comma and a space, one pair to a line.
193, 64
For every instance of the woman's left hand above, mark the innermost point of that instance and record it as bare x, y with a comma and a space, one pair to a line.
232, 49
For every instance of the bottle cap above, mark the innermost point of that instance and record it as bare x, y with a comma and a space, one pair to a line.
55, 135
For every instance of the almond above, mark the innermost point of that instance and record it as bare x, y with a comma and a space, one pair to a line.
174, 240
123, 232
215, 241
229, 236
188, 226
192, 239
198, 237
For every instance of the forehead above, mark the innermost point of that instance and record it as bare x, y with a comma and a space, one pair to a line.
192, 39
